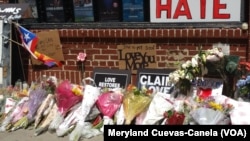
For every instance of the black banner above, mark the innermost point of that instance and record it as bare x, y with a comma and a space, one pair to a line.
219, 132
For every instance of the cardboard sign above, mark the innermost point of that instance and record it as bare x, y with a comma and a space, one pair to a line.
135, 56
109, 78
49, 44
155, 79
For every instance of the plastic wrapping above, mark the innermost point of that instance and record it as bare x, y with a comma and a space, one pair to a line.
134, 102
156, 109
65, 97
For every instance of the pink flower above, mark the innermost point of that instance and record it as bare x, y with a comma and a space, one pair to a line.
81, 56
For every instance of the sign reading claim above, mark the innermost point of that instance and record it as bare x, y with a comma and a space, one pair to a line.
195, 11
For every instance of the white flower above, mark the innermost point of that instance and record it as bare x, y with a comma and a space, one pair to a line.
189, 77
220, 54
213, 58
184, 66
194, 62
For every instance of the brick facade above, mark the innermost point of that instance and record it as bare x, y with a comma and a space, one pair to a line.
172, 45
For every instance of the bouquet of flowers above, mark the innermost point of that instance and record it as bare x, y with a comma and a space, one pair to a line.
44, 109
70, 120
17, 112
36, 98
47, 120
135, 101
179, 114
65, 99
196, 67
90, 94
211, 111
6, 101
243, 88
108, 103
174, 117
155, 112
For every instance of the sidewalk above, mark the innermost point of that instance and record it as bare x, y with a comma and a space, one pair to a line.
28, 135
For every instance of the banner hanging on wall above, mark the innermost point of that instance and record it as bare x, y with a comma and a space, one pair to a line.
135, 56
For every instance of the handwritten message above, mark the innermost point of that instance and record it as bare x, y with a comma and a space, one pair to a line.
135, 56
50, 45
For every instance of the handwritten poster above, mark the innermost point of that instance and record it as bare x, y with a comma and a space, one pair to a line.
49, 44
135, 56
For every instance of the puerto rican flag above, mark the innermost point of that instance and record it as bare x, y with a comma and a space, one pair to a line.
29, 40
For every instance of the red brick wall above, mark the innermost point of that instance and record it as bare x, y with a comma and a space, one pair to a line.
172, 45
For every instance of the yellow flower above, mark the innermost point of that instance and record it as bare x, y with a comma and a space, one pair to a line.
198, 99
215, 106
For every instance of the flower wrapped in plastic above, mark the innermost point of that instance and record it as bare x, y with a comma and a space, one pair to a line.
70, 121
211, 112
6, 101
135, 101
19, 111
243, 88
44, 109
160, 103
73, 117
174, 117
36, 97
108, 103
90, 96
66, 98
179, 114
47, 120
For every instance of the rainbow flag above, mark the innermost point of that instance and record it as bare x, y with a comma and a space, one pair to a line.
47, 60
